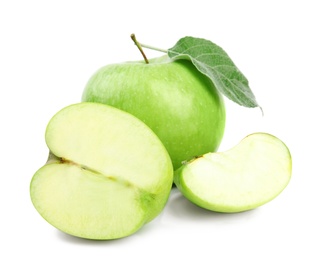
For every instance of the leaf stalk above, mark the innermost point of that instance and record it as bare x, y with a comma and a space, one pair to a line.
153, 48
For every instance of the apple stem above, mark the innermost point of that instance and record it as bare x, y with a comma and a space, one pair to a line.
140, 45
133, 37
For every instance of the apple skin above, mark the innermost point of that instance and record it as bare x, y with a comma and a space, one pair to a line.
180, 104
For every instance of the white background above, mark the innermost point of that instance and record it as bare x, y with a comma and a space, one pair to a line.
49, 49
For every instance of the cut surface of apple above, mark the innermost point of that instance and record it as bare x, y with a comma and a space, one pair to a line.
242, 178
107, 174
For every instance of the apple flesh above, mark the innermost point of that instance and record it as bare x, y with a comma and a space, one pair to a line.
107, 174
247, 176
176, 101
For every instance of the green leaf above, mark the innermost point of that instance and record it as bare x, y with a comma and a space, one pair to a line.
214, 62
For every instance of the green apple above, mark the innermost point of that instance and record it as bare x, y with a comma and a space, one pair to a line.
180, 104
247, 176
107, 174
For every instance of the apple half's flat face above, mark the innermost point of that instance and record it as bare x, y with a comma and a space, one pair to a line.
106, 176
243, 178
176, 101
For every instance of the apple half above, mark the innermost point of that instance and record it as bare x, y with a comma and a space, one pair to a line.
107, 174
247, 176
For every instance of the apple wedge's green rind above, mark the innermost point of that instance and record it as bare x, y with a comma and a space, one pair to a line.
107, 173
245, 177
173, 98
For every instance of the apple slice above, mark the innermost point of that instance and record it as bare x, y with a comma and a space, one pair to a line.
242, 178
107, 174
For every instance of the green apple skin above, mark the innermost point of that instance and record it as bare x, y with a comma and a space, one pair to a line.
173, 98
107, 173
245, 177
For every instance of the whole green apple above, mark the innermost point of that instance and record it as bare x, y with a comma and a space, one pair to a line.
180, 104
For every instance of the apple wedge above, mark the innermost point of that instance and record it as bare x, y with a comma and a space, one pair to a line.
106, 176
242, 178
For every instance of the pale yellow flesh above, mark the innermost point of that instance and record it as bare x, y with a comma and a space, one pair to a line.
109, 175
245, 177
84, 204
109, 141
